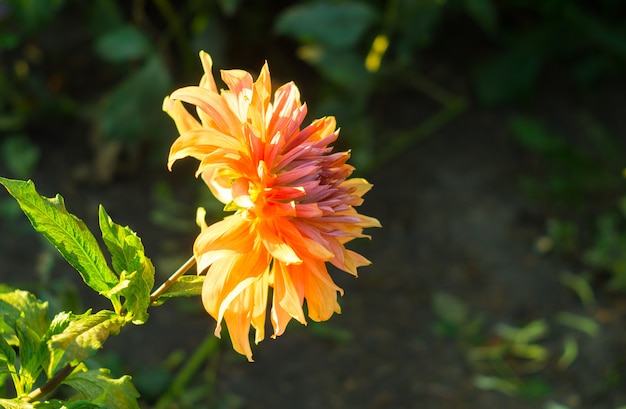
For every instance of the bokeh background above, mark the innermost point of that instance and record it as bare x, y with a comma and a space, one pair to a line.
494, 132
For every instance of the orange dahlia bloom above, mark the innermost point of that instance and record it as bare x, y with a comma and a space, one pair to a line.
293, 204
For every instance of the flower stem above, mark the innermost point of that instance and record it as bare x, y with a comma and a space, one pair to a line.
51, 385
168, 283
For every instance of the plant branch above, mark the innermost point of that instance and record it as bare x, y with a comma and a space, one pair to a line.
51, 385
168, 283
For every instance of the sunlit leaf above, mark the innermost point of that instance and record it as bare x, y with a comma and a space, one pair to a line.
87, 334
65, 231
7, 356
16, 403
131, 263
19, 304
59, 323
98, 387
333, 24
185, 286
33, 353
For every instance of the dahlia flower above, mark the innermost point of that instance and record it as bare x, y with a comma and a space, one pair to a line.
292, 200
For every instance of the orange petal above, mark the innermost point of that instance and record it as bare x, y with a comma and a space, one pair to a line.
213, 105
182, 118
207, 81
273, 240
287, 301
200, 142
320, 291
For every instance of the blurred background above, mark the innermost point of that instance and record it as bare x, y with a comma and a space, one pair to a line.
494, 132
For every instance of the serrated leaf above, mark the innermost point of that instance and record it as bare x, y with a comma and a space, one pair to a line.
59, 323
86, 335
19, 304
98, 387
130, 262
333, 24
65, 231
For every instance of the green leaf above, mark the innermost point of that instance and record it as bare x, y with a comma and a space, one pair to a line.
124, 43
185, 286
8, 362
124, 111
344, 68
449, 308
65, 231
570, 352
534, 135
579, 322
59, 323
21, 305
333, 24
33, 353
86, 335
7, 353
33, 14
494, 383
507, 76
58, 404
98, 387
130, 262
20, 155
16, 403
530, 332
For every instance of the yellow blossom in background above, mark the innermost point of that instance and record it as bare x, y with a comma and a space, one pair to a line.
294, 206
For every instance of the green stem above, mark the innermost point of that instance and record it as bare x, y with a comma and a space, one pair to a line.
168, 283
